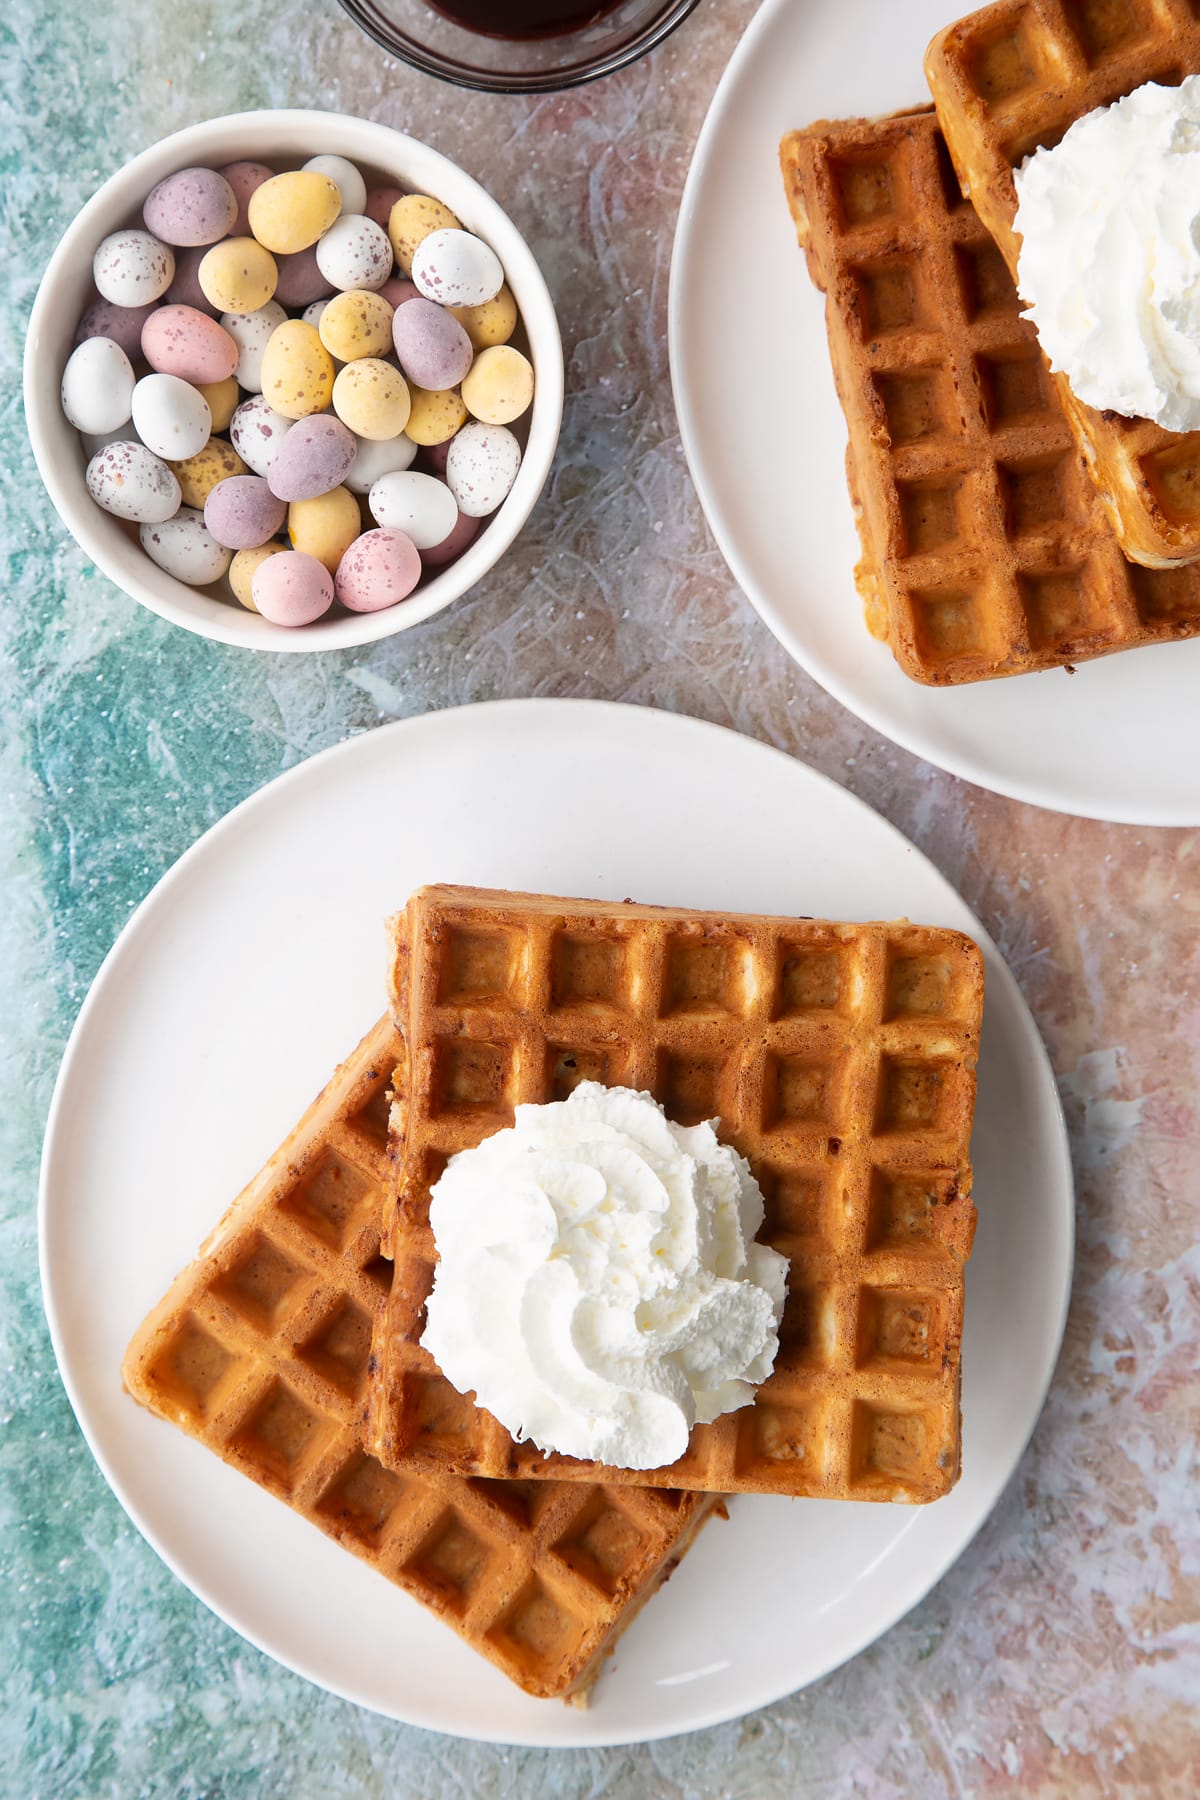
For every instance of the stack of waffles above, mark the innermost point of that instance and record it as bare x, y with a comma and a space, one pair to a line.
840, 1059
1005, 526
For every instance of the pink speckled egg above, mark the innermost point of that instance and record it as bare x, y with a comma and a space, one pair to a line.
193, 206
241, 512
292, 588
178, 340
379, 569
464, 531
397, 289
379, 203
185, 289
300, 280
244, 178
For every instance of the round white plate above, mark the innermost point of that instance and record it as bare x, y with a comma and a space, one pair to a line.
256, 964
765, 440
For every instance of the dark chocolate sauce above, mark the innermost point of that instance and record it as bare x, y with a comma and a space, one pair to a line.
523, 18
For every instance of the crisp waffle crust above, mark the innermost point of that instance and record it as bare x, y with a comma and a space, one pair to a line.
261, 1349
1013, 77
985, 549
840, 1059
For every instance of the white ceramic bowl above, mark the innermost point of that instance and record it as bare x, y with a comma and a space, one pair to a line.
283, 140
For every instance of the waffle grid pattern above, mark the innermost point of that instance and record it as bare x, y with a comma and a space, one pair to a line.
261, 1351
986, 550
840, 1060
1013, 77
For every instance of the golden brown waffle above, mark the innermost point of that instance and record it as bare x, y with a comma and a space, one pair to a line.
260, 1350
1013, 77
840, 1060
985, 550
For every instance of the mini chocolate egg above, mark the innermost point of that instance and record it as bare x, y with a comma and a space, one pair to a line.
326, 526
492, 323
244, 178
413, 218
251, 332
193, 206
170, 417
185, 289
256, 431
185, 548
466, 530
315, 456
355, 253
373, 459
499, 387
297, 370
222, 397
123, 324
131, 268
379, 569
300, 280
371, 397
481, 466
435, 414
97, 386
237, 275
243, 513
290, 212
456, 268
432, 348
178, 340
350, 183
355, 323
291, 588
241, 572
419, 505
379, 203
198, 475
130, 482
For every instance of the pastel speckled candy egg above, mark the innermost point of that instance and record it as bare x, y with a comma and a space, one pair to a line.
492, 323
256, 432
435, 414
379, 203
481, 466
355, 253
291, 588
499, 387
170, 417
315, 456
379, 569
290, 212
433, 349
457, 269
132, 268
297, 370
222, 397
123, 324
185, 548
300, 280
252, 332
371, 397
193, 206
419, 505
371, 460
185, 289
465, 531
356, 323
412, 219
350, 183
237, 275
178, 340
244, 178
326, 526
198, 475
97, 386
130, 482
242, 569
243, 513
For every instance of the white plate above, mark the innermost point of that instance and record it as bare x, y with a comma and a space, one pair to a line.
765, 437
258, 961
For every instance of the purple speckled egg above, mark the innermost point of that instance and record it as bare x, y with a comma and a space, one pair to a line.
292, 588
185, 289
379, 203
193, 206
397, 289
379, 569
464, 532
316, 456
123, 324
256, 431
434, 350
241, 512
300, 280
178, 340
433, 458
244, 178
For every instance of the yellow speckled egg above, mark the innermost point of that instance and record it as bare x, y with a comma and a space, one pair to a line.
356, 323
325, 527
412, 219
243, 568
290, 212
198, 475
372, 398
435, 415
297, 371
237, 275
222, 397
499, 385
491, 323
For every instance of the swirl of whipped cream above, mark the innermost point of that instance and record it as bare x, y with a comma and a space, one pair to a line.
1110, 254
597, 1284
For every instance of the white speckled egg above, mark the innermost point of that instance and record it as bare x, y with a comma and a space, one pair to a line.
376, 457
481, 466
350, 183
251, 332
170, 417
457, 269
256, 431
132, 268
97, 386
355, 253
419, 505
130, 482
185, 548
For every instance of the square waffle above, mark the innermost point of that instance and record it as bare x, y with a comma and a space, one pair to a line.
1013, 77
840, 1060
985, 549
260, 1350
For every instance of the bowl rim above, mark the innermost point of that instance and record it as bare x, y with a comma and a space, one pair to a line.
277, 133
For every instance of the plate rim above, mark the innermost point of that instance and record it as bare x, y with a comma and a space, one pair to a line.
147, 911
